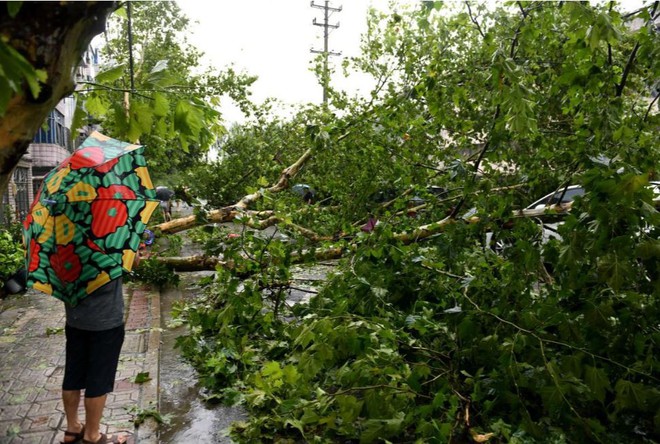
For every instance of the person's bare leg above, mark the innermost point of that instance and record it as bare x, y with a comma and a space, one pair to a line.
71, 401
93, 413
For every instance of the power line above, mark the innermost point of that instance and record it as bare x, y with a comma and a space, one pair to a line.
327, 11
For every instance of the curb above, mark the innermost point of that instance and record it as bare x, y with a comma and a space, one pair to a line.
147, 432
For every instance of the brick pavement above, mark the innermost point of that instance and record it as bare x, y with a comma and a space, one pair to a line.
32, 368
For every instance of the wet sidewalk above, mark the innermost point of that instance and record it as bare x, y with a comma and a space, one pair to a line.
32, 368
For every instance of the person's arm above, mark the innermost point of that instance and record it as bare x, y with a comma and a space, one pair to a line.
141, 254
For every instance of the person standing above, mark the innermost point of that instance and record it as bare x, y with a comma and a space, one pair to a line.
165, 196
80, 261
94, 336
166, 208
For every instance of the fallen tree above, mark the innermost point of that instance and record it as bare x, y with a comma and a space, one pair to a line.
421, 333
202, 262
229, 213
260, 220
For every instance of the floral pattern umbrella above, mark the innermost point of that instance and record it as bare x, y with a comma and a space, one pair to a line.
85, 224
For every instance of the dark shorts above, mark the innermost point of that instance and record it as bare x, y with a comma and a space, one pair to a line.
91, 360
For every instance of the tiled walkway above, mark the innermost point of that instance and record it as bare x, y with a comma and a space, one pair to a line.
32, 365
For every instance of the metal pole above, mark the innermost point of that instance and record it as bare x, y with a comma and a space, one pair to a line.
325, 75
326, 33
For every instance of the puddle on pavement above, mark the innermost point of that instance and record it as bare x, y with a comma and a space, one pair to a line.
191, 420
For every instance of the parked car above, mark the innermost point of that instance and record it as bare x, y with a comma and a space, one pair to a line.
561, 197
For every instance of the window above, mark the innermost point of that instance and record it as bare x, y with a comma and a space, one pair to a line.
36, 184
566, 196
23, 185
53, 131
5, 214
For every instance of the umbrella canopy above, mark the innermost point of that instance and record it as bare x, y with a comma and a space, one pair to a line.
163, 193
302, 189
85, 224
305, 191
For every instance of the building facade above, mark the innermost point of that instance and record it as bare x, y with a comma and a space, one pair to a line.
51, 145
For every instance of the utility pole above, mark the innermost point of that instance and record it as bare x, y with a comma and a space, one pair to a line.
130, 61
327, 10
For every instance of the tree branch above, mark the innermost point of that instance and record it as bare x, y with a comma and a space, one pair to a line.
477, 164
648, 110
231, 212
552, 341
474, 20
631, 59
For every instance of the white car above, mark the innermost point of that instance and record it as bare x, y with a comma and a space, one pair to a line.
561, 197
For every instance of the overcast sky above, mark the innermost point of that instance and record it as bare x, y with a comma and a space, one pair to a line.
272, 39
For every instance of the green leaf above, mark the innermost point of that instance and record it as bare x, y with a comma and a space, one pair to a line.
552, 398
614, 270
629, 395
95, 106
272, 369
188, 119
79, 116
649, 249
290, 374
111, 74
296, 424
13, 8
121, 12
16, 69
161, 105
121, 120
349, 407
159, 75
142, 377
377, 429
142, 115
262, 181
54, 331
597, 380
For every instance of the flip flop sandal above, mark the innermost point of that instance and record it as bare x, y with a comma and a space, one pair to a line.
77, 437
108, 439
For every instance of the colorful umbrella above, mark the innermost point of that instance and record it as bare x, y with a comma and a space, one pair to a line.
85, 224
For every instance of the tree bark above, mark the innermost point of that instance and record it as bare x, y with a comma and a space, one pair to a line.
52, 36
231, 212
201, 262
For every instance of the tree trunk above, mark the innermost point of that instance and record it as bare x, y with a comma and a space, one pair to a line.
52, 36
228, 214
201, 262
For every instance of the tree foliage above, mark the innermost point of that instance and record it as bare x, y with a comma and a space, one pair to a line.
415, 338
165, 99
41, 44
445, 339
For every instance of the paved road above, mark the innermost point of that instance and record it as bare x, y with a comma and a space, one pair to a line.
32, 367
